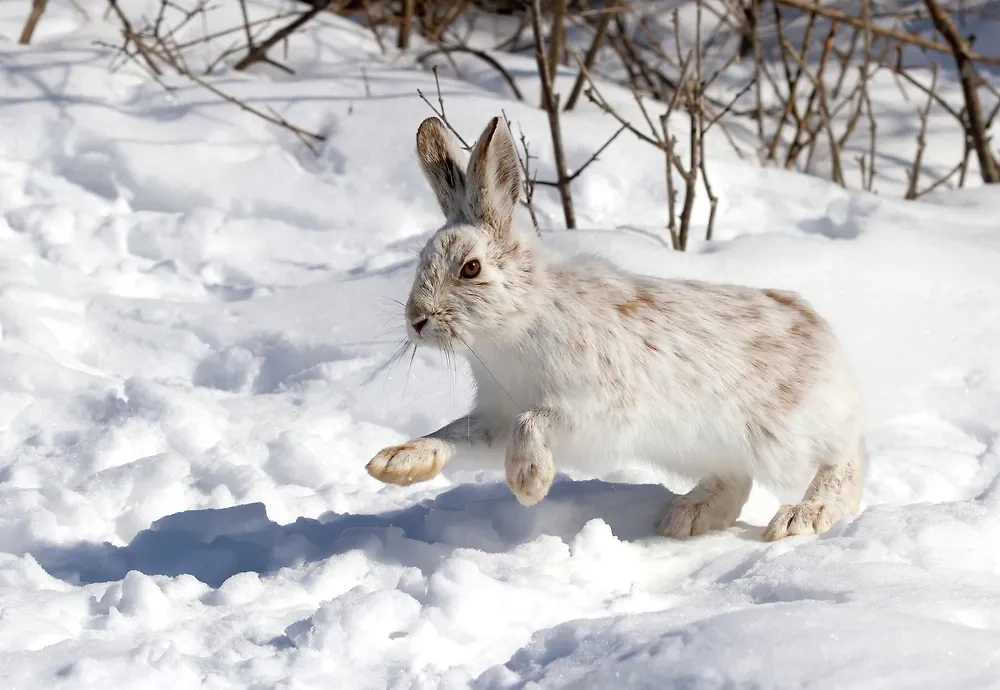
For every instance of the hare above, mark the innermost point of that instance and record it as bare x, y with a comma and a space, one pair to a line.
723, 384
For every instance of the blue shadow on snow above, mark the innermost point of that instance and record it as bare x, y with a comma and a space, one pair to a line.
215, 544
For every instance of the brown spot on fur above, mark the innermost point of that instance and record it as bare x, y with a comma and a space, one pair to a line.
758, 431
651, 347
764, 346
783, 348
793, 301
641, 300
782, 297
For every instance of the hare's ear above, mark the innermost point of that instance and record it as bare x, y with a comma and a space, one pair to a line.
494, 178
442, 166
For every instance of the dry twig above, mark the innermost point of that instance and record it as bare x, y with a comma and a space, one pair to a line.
913, 178
970, 80
37, 10
550, 102
485, 57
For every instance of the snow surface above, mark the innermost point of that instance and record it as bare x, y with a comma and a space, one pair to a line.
194, 314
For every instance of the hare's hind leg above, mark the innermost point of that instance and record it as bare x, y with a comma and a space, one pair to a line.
714, 504
835, 493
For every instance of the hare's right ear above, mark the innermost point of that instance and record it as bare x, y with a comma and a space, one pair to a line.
442, 166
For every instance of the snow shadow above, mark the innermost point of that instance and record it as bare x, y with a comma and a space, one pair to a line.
215, 544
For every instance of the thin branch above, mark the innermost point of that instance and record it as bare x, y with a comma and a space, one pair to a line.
131, 37
485, 57
970, 81
440, 113
259, 53
527, 179
406, 24
37, 10
958, 167
558, 38
914, 174
899, 36
594, 157
589, 58
550, 102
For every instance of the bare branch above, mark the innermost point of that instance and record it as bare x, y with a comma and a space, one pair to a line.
485, 57
259, 53
440, 113
406, 24
37, 10
899, 36
914, 174
970, 80
550, 102
588, 60
594, 157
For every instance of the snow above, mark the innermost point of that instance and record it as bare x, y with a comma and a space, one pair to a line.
194, 312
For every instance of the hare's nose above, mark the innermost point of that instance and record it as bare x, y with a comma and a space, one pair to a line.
419, 324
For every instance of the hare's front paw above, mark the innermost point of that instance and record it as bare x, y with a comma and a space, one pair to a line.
530, 474
415, 461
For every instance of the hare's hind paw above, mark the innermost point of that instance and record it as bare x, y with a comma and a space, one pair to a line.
714, 504
810, 517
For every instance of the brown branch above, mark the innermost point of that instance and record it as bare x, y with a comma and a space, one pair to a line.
593, 157
958, 167
965, 163
970, 81
900, 36
668, 158
899, 70
790, 109
550, 103
366, 5
131, 37
589, 58
164, 50
824, 115
872, 141
918, 159
527, 180
440, 113
406, 24
558, 37
485, 57
236, 29
798, 143
751, 8
246, 24
259, 53
529, 184
713, 200
37, 10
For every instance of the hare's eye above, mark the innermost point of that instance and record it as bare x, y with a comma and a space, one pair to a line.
471, 269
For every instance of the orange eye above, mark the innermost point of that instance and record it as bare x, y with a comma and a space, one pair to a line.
471, 269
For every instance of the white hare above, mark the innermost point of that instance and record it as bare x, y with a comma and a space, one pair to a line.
720, 383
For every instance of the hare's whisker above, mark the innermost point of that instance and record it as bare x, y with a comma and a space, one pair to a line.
499, 385
409, 368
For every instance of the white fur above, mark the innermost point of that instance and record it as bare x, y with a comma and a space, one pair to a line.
574, 357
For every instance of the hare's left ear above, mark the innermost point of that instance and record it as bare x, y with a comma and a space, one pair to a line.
443, 167
493, 180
